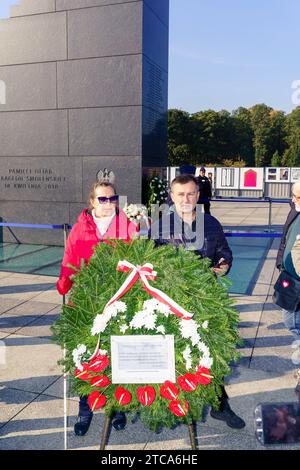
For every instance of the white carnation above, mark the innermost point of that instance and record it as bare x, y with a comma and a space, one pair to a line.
161, 329
144, 318
206, 361
195, 338
123, 328
162, 308
149, 322
77, 353
115, 308
138, 320
187, 356
188, 329
205, 325
100, 323
151, 305
203, 348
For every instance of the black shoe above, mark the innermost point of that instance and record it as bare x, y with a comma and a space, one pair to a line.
229, 417
159, 429
83, 424
119, 421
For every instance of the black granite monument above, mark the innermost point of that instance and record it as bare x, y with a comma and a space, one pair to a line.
83, 89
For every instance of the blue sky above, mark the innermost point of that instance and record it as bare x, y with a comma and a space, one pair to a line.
230, 53
5, 5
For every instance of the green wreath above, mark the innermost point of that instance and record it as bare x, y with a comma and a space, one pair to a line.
204, 345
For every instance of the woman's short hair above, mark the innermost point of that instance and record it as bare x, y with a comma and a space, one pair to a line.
95, 186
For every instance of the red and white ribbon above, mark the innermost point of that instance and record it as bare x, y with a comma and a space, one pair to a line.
143, 273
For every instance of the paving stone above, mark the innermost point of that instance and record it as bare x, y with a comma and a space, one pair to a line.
8, 303
22, 288
12, 402
31, 363
40, 327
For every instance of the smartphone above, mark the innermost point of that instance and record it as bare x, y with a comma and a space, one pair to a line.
277, 423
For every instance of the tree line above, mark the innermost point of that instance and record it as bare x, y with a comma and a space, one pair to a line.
259, 136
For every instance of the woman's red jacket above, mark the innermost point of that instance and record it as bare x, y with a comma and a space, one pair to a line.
84, 236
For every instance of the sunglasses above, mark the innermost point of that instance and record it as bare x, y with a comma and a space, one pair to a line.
104, 200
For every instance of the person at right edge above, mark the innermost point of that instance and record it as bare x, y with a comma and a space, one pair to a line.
288, 259
178, 226
205, 190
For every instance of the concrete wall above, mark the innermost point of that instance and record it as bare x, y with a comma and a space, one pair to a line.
86, 89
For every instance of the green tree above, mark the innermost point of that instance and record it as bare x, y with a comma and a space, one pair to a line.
179, 135
276, 159
261, 124
244, 135
180, 155
292, 153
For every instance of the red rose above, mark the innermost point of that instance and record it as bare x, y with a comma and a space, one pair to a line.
100, 381
188, 382
203, 375
83, 374
169, 391
178, 408
146, 395
99, 363
96, 400
123, 396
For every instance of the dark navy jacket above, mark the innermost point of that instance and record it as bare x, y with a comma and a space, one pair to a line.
290, 219
214, 246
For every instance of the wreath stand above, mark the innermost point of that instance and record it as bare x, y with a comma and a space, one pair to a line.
107, 428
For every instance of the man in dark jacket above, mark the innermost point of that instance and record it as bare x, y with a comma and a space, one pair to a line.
204, 235
205, 190
284, 260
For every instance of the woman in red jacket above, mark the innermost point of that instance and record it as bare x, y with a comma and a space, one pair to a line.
96, 224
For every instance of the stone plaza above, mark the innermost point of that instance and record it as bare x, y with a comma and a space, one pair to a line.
31, 393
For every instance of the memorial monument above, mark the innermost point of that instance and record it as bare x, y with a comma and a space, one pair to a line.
83, 89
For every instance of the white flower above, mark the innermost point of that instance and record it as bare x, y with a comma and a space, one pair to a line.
195, 338
205, 325
77, 354
149, 322
115, 308
135, 212
203, 348
187, 356
103, 352
151, 305
161, 329
100, 323
138, 320
165, 309
123, 328
206, 361
188, 329
144, 318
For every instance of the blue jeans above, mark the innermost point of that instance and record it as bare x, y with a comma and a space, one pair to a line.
292, 322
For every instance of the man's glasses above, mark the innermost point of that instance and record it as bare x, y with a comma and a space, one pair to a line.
104, 200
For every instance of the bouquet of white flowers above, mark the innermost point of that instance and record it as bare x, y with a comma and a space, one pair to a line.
136, 213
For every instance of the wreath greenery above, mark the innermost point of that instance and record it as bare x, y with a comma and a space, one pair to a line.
204, 345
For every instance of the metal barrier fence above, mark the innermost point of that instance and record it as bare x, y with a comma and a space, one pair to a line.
270, 201
67, 227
